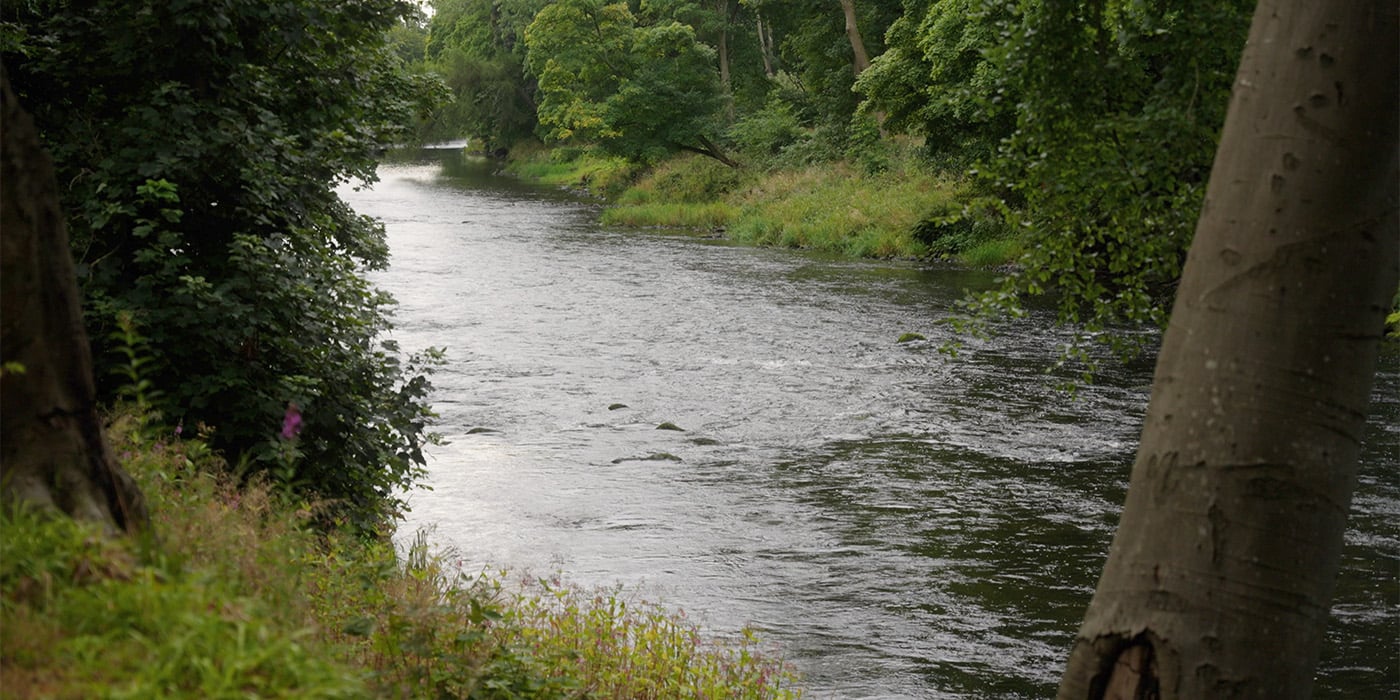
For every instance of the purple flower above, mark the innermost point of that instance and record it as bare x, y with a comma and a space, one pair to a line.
179, 428
291, 421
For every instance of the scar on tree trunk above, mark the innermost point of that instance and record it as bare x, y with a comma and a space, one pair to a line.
53, 453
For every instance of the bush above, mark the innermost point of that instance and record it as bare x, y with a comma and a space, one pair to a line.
200, 188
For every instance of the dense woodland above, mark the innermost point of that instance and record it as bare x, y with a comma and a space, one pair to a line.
1086, 128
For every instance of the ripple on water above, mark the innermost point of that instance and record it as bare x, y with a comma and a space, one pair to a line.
902, 524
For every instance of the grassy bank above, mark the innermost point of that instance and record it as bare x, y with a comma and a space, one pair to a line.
238, 597
903, 211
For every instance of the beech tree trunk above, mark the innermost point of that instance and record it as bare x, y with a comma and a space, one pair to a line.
52, 450
862, 59
1220, 576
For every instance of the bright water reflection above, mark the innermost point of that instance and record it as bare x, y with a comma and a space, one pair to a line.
899, 523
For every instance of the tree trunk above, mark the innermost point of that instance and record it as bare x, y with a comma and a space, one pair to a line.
765, 45
862, 59
708, 149
1221, 573
52, 450
726, 15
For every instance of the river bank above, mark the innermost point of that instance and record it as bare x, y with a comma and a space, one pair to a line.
900, 210
239, 596
900, 524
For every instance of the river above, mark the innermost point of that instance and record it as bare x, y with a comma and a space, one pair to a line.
896, 522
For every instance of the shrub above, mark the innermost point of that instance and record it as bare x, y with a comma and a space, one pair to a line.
200, 188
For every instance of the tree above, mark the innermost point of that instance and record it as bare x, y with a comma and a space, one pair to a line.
52, 450
638, 91
822, 51
200, 145
1118, 112
1220, 575
478, 47
860, 58
935, 78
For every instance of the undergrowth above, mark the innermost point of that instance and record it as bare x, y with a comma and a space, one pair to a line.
898, 210
582, 169
236, 595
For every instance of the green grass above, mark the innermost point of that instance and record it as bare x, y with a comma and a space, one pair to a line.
710, 215
904, 211
840, 209
993, 253
575, 168
238, 596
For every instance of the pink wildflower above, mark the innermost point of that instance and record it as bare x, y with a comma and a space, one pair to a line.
291, 421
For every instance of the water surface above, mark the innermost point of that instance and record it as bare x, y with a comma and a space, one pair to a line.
900, 524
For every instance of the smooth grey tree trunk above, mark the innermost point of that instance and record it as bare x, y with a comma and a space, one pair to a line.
52, 451
1221, 573
862, 59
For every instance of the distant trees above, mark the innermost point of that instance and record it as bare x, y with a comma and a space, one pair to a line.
639, 90
199, 145
1092, 122
478, 47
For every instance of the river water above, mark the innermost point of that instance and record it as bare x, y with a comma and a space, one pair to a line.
895, 522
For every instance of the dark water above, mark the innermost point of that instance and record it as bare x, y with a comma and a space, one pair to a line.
898, 523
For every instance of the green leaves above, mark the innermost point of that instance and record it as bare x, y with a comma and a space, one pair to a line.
1118, 115
201, 142
640, 91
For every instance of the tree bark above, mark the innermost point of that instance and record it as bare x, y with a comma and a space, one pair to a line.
52, 450
862, 59
765, 44
1220, 576
725, 10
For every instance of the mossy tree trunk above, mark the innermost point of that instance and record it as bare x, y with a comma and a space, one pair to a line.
52, 450
1221, 573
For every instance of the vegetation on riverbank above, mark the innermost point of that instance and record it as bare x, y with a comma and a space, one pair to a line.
237, 596
902, 211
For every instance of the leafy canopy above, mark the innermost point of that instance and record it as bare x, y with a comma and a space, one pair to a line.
201, 142
639, 91
1120, 104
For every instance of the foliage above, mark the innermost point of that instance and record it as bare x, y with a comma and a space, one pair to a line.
965, 223
238, 597
935, 79
639, 91
1392, 319
200, 144
1120, 105
766, 134
582, 169
817, 58
838, 209
478, 47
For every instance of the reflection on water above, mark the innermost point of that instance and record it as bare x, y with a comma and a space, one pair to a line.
900, 523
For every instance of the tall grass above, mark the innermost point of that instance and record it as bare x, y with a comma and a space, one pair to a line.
581, 169
709, 215
841, 209
238, 596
